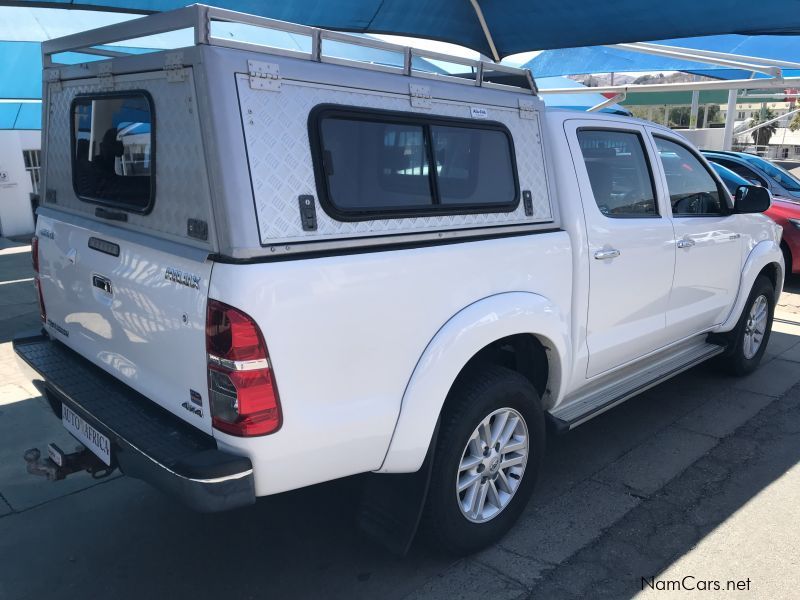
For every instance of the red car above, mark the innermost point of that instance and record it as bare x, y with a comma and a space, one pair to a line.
784, 211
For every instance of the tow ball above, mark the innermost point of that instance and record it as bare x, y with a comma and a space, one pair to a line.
58, 464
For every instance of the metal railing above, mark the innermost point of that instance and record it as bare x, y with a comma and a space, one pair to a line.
200, 19
33, 166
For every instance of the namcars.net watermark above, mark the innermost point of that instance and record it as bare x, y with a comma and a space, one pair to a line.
690, 583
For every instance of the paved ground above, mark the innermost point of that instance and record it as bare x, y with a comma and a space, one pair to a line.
698, 477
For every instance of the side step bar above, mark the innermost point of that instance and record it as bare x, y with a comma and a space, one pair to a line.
601, 398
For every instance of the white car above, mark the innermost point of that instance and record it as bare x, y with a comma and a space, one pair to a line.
260, 269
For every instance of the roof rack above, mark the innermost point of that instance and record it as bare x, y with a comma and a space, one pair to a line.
321, 45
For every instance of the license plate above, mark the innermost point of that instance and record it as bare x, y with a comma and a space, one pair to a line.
95, 441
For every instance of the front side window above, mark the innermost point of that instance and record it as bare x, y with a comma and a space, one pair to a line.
372, 164
618, 172
692, 189
113, 150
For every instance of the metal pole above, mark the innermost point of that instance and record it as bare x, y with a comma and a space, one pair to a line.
760, 125
694, 110
721, 84
730, 118
687, 54
607, 102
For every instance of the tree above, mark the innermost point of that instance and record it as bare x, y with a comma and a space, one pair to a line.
795, 124
762, 135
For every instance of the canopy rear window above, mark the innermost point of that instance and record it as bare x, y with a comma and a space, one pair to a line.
113, 150
378, 164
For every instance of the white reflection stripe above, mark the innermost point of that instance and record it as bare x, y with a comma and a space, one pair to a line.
239, 365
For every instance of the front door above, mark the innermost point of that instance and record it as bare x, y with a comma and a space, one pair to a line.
708, 259
631, 251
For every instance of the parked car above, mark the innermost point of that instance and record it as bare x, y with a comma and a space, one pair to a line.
261, 269
758, 171
785, 210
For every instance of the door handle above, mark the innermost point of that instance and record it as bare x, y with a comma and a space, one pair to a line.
606, 254
686, 243
734, 236
102, 283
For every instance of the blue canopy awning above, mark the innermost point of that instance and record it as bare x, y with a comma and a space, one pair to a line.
602, 59
19, 115
513, 25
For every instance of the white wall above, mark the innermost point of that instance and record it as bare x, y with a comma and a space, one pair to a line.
16, 217
707, 139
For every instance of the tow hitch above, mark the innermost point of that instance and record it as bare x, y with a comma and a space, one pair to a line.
59, 464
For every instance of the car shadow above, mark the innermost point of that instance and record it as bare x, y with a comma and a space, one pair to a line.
18, 310
124, 538
792, 284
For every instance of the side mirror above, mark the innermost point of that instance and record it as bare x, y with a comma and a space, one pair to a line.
751, 199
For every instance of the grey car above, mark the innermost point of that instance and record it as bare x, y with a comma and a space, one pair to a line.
759, 171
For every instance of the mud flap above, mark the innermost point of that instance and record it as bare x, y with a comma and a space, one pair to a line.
392, 504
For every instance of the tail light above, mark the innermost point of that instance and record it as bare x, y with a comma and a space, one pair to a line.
241, 387
36, 283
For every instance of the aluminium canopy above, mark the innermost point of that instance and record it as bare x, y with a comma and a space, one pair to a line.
499, 28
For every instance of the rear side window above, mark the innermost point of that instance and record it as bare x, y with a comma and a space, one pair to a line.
377, 164
619, 173
113, 150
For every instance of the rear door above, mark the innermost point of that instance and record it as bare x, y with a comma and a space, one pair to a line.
124, 231
631, 243
133, 309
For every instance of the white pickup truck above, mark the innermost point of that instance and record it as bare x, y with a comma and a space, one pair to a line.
262, 267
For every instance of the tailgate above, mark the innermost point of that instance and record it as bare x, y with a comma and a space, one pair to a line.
135, 309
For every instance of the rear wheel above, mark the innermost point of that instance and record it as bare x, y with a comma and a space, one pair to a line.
750, 337
488, 455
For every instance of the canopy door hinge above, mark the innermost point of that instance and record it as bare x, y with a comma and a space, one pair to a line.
527, 109
173, 66
104, 76
420, 95
264, 76
53, 78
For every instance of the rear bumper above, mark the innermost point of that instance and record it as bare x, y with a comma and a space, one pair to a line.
147, 442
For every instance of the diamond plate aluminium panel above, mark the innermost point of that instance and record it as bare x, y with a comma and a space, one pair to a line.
281, 168
182, 189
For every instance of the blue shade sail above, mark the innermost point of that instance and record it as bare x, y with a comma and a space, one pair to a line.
515, 25
600, 59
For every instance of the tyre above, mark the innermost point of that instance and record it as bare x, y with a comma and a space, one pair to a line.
487, 457
787, 259
749, 339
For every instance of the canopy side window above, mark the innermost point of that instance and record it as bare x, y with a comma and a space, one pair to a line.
384, 164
